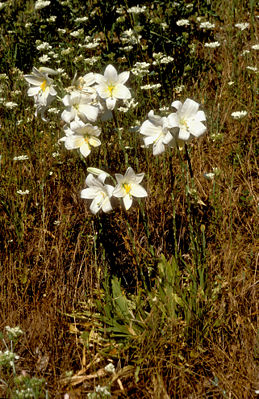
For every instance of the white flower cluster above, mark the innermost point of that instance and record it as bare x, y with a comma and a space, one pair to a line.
94, 96
91, 96
137, 9
14, 332
180, 126
128, 186
7, 358
41, 4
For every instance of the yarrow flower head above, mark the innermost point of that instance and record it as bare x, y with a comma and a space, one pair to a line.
129, 186
137, 9
242, 25
7, 358
188, 119
98, 192
41, 4
156, 132
14, 332
110, 86
183, 22
238, 114
207, 25
212, 45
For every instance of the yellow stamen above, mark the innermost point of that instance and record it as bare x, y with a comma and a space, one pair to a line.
127, 187
110, 89
184, 123
43, 85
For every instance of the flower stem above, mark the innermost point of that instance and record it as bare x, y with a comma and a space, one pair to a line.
188, 160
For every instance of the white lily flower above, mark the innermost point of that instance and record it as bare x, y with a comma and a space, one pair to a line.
188, 119
79, 106
83, 136
41, 85
110, 86
97, 171
156, 132
99, 192
128, 186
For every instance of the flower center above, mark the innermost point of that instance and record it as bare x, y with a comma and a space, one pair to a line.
110, 89
183, 123
43, 85
161, 134
127, 187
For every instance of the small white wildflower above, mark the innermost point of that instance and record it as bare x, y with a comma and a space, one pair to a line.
62, 31
231, 83
44, 58
183, 22
179, 89
20, 192
245, 52
137, 9
212, 45
14, 332
52, 18
21, 158
119, 10
164, 25
166, 60
151, 86
91, 61
255, 47
81, 19
163, 109
77, 33
207, 25
44, 46
110, 368
41, 4
53, 110
8, 357
141, 65
16, 93
209, 176
239, 114
91, 45
126, 48
55, 154
3, 76
253, 69
67, 51
10, 104
130, 36
242, 25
